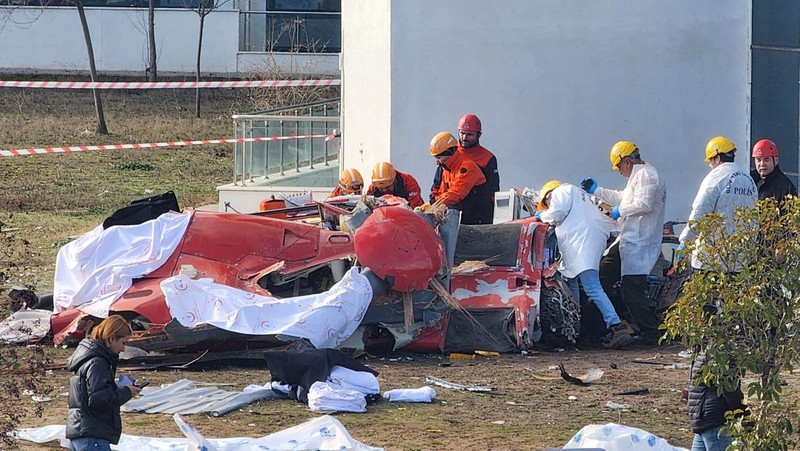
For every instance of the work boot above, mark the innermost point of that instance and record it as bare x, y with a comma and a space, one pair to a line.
620, 336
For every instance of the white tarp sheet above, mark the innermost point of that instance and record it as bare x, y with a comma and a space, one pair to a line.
97, 268
326, 319
323, 433
616, 437
24, 326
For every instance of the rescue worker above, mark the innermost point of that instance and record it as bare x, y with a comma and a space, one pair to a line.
460, 176
639, 212
350, 182
582, 239
469, 134
725, 188
769, 178
387, 180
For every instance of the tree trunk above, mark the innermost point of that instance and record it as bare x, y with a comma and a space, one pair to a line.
98, 103
197, 68
152, 74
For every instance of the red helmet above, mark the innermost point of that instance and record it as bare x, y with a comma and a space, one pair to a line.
764, 149
470, 123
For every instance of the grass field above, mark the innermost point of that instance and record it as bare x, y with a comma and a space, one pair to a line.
50, 199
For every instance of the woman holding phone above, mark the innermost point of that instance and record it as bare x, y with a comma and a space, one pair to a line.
93, 421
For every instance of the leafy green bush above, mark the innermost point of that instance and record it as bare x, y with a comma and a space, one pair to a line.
742, 312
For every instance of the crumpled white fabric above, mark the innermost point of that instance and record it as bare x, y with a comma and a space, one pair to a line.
641, 208
323, 397
422, 394
616, 437
579, 227
323, 433
97, 268
325, 319
361, 381
24, 326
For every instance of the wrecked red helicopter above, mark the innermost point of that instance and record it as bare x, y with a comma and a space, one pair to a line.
439, 286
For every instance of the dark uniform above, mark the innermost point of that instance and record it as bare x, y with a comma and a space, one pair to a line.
776, 185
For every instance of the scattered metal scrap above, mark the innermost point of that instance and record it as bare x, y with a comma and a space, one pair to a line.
454, 386
185, 397
636, 391
668, 365
592, 375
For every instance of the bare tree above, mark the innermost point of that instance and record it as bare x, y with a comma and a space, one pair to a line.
202, 8
98, 103
300, 62
152, 70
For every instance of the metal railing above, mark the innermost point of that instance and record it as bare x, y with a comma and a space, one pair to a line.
271, 158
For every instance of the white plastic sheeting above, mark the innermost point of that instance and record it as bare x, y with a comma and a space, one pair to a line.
323, 397
322, 433
360, 381
422, 394
24, 326
187, 397
97, 268
616, 437
326, 319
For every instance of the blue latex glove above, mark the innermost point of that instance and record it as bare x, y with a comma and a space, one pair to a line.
538, 214
679, 253
615, 213
589, 184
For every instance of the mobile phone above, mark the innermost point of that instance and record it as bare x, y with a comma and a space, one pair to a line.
143, 384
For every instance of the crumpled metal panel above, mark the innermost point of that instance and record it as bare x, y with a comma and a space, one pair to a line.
186, 397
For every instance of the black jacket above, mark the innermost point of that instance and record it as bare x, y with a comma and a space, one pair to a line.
776, 185
94, 398
706, 408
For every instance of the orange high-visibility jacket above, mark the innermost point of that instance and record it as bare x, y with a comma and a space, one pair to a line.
405, 186
459, 176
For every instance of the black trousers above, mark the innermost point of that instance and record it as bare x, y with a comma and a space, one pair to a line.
631, 301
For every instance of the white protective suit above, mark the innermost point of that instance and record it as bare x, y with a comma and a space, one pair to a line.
580, 229
641, 218
725, 188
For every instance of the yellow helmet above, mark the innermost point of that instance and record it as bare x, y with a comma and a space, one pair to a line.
546, 188
443, 141
383, 175
621, 150
351, 181
717, 146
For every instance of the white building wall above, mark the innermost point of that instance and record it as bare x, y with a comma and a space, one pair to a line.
555, 83
35, 39
366, 35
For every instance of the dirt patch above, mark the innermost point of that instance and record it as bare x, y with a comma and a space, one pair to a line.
524, 412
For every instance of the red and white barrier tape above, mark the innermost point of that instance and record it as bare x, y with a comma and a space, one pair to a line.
45, 150
169, 84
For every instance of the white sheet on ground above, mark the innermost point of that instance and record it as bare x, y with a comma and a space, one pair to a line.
360, 381
422, 394
325, 319
323, 397
97, 268
616, 437
24, 326
323, 433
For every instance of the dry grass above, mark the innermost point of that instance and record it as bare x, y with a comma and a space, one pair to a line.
52, 198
